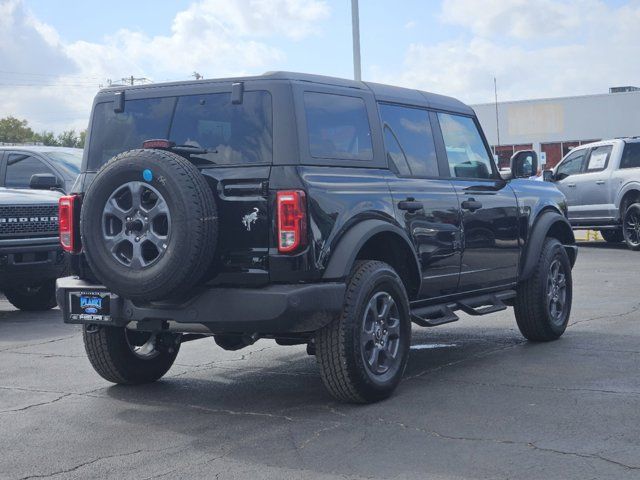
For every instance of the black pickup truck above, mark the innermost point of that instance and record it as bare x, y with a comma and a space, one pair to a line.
305, 209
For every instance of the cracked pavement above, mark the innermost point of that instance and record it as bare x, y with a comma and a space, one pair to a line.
481, 403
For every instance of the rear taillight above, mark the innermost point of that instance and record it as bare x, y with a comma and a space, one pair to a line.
292, 220
66, 223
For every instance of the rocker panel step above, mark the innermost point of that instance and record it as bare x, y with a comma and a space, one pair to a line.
433, 315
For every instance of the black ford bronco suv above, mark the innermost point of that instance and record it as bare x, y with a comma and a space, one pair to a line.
305, 209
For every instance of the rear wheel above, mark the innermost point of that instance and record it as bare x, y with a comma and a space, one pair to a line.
631, 226
543, 303
33, 298
612, 236
127, 356
363, 354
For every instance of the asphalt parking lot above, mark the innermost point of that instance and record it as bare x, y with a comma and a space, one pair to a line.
477, 402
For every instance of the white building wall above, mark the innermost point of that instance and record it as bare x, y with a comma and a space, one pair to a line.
562, 119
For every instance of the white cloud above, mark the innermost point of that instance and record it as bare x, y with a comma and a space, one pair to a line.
535, 48
217, 38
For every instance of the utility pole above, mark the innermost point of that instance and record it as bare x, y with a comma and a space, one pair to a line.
495, 91
355, 21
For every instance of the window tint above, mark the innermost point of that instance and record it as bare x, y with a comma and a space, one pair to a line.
113, 133
338, 126
232, 134
599, 158
409, 140
20, 168
571, 165
68, 161
631, 155
466, 152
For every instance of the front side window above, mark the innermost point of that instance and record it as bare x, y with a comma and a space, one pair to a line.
409, 140
466, 152
69, 161
599, 158
571, 165
21, 167
338, 126
631, 155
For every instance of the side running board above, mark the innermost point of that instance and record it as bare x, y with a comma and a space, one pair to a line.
433, 315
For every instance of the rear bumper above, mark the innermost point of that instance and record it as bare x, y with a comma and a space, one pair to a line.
23, 261
275, 309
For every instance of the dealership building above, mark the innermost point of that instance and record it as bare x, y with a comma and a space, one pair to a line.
554, 126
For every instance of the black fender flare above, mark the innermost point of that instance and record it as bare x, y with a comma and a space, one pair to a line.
345, 253
547, 222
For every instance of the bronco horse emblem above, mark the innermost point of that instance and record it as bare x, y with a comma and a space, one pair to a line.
250, 218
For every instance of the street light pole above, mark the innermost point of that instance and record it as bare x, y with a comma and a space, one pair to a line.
355, 20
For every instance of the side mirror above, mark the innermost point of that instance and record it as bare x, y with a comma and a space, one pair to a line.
43, 181
547, 176
524, 164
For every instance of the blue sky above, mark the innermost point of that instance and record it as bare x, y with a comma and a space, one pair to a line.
54, 54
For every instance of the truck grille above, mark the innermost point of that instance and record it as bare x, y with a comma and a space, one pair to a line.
28, 220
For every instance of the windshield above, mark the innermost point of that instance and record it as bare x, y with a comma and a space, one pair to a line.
68, 161
230, 133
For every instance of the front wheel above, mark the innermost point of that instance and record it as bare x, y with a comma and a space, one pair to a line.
129, 357
631, 226
362, 355
543, 303
33, 298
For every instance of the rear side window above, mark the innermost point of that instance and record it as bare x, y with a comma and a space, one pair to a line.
409, 140
631, 155
21, 167
338, 126
599, 158
466, 152
232, 134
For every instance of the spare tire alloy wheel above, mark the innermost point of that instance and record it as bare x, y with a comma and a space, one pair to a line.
148, 225
136, 225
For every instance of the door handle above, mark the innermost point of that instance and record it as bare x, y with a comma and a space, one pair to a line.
410, 205
599, 182
571, 185
472, 205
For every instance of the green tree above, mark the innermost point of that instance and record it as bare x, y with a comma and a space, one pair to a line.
82, 138
13, 130
46, 138
68, 138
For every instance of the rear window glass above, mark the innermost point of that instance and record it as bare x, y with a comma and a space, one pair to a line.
338, 126
232, 134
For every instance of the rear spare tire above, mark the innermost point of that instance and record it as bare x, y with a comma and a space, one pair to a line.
148, 225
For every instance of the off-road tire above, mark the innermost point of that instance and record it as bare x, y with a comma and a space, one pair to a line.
112, 357
191, 242
632, 241
338, 345
33, 298
612, 236
531, 303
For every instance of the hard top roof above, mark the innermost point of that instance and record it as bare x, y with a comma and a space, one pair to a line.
382, 92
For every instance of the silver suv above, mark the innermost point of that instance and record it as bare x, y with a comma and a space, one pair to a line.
601, 181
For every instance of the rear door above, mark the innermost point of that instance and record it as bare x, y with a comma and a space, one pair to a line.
488, 205
238, 138
426, 206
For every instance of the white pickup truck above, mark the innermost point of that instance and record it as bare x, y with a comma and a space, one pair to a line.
601, 181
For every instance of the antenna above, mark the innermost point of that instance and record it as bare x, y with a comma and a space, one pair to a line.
495, 91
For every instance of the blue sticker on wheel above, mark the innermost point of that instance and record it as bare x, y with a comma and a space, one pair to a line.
147, 175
